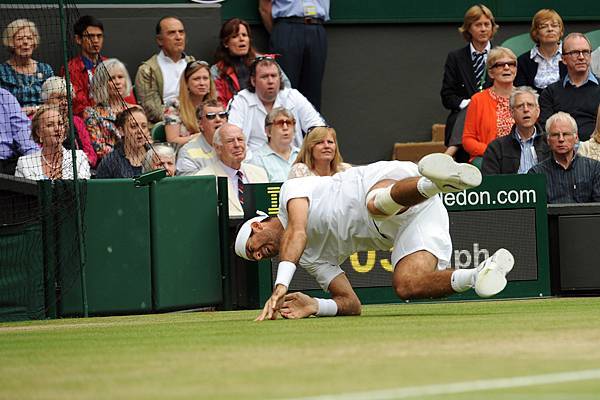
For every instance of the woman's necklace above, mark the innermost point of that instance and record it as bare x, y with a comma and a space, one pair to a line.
55, 168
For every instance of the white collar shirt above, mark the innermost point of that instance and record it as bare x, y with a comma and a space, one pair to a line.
248, 112
171, 72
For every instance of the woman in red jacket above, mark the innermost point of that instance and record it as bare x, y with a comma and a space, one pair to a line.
233, 57
488, 113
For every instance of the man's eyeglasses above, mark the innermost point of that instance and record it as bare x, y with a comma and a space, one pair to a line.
521, 106
92, 36
503, 64
212, 115
265, 57
577, 53
556, 135
546, 26
281, 122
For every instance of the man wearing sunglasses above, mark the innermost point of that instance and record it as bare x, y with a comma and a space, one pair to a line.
157, 79
579, 92
199, 152
570, 178
250, 107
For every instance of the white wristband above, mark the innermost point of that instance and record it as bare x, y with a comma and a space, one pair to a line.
285, 272
327, 308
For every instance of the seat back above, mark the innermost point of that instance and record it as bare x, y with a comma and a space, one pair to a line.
158, 132
519, 44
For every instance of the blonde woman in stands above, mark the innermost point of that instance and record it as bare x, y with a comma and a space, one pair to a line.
21, 74
181, 117
489, 115
542, 65
591, 148
319, 154
110, 85
52, 161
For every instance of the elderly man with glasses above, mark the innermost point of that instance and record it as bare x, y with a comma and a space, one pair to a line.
579, 92
570, 178
199, 152
525, 145
250, 107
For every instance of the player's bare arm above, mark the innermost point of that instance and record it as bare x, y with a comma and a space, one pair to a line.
292, 247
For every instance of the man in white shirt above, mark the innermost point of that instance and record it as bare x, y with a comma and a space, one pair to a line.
323, 220
230, 147
249, 107
157, 79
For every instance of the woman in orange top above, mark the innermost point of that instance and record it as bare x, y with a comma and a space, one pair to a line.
488, 114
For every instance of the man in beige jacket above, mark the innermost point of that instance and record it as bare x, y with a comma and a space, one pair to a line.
157, 79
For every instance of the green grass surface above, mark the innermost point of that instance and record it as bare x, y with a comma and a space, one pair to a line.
226, 355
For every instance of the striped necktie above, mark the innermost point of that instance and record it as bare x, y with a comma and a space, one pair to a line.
479, 66
240, 182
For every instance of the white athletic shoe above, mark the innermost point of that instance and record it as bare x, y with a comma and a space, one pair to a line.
447, 174
491, 273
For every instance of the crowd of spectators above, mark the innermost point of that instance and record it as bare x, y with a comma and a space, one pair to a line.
243, 118
514, 114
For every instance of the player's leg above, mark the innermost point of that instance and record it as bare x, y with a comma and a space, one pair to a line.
345, 302
440, 173
416, 276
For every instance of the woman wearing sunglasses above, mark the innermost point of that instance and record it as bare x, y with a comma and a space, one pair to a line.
195, 86
278, 154
319, 155
488, 114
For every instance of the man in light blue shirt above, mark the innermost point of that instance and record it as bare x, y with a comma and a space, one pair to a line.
15, 133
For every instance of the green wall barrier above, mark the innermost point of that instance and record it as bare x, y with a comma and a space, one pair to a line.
393, 11
186, 264
22, 286
117, 245
151, 248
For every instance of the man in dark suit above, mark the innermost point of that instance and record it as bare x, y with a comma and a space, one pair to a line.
525, 145
464, 71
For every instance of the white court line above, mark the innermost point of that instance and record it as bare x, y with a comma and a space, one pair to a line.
464, 387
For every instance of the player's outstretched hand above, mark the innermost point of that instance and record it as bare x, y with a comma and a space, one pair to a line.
298, 305
272, 306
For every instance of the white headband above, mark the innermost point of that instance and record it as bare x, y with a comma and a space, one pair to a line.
244, 234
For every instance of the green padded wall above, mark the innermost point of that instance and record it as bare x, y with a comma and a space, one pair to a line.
186, 265
117, 245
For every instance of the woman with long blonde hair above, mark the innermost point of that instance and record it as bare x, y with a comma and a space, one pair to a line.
181, 119
319, 154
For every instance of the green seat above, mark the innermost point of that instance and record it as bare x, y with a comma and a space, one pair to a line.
519, 44
594, 38
158, 132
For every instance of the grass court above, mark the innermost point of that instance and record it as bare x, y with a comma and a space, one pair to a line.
522, 349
